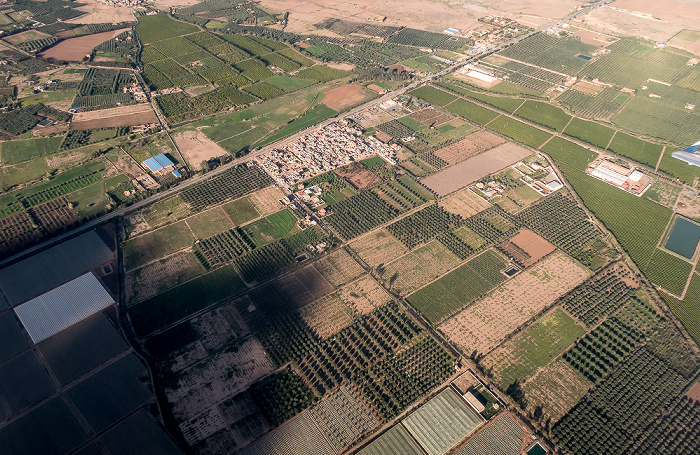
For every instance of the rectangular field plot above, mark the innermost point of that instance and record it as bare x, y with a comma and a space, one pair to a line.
299, 435
544, 114
138, 434
465, 203
364, 295
521, 356
12, 339
50, 428
82, 348
472, 169
396, 441
159, 276
23, 382
483, 325
380, 247
343, 418
635, 149
327, 316
442, 422
338, 267
111, 393
420, 266
459, 287
207, 224
688, 309
590, 132
240, 211
468, 147
501, 437
519, 132
557, 388
669, 272
154, 245
526, 247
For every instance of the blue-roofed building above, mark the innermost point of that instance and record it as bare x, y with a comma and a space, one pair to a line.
689, 155
160, 164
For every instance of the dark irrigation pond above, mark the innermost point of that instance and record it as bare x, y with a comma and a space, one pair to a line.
684, 237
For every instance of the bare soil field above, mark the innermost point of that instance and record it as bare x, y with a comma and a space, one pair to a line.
380, 247
338, 267
267, 200
694, 392
373, 117
483, 325
534, 247
465, 203
197, 147
472, 169
359, 176
587, 88
327, 316
211, 381
614, 22
136, 114
431, 116
688, 206
161, 275
468, 147
364, 295
594, 38
556, 387
100, 13
343, 97
23, 37
75, 49
420, 267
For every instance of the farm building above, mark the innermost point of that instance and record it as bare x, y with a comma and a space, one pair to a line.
631, 180
689, 155
451, 31
161, 165
56, 310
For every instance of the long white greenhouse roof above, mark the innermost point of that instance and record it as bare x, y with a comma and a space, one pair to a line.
61, 307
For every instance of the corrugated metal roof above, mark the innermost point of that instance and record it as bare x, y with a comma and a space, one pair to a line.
163, 160
46, 270
153, 164
58, 309
609, 175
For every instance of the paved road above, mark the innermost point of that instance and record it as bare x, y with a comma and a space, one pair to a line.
375, 102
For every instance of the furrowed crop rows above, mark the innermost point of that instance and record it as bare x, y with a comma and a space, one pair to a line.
588, 106
491, 224
561, 221
597, 298
359, 214
232, 184
423, 225
60, 190
357, 347
223, 248
265, 262
401, 195
455, 245
400, 379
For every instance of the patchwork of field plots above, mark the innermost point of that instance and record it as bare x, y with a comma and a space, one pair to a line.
483, 325
464, 203
468, 147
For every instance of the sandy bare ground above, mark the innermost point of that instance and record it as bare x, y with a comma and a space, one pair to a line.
327, 316
99, 13
472, 169
483, 325
267, 200
338, 267
420, 267
615, 22
468, 147
533, 245
364, 295
74, 49
465, 203
342, 97
197, 147
556, 387
136, 114
380, 247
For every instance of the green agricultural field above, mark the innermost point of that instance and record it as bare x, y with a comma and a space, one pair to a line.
238, 144
636, 149
535, 347
544, 114
209, 223
677, 168
288, 84
688, 309
154, 245
472, 112
499, 102
321, 73
668, 271
459, 287
271, 228
552, 52
159, 27
618, 210
240, 211
433, 95
181, 301
13, 152
590, 132
311, 118
519, 131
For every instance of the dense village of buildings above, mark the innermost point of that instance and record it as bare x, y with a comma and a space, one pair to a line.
321, 151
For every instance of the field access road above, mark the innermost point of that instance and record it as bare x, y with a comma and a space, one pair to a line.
372, 103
